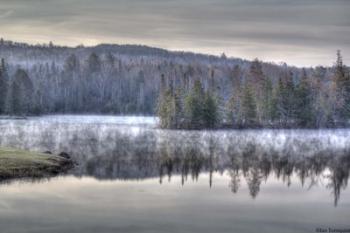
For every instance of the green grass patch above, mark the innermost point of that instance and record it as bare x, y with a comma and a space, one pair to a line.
19, 163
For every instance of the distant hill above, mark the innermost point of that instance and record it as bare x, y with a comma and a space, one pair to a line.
125, 79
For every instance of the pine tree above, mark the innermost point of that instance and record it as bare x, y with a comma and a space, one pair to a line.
342, 87
71, 63
258, 83
249, 107
256, 72
277, 108
267, 100
288, 101
304, 111
322, 99
233, 106
210, 111
94, 63
165, 110
233, 110
164, 99
178, 112
22, 93
340, 72
194, 107
3, 87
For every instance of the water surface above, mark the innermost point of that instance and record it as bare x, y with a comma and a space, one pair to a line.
133, 177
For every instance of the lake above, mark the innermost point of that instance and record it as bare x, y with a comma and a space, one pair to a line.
132, 177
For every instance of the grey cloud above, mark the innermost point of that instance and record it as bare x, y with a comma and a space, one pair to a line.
262, 27
5, 14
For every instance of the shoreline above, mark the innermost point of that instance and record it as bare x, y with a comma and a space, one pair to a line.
155, 123
15, 164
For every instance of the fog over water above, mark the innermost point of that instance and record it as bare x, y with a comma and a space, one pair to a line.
132, 177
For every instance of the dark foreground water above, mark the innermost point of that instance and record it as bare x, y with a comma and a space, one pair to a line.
133, 177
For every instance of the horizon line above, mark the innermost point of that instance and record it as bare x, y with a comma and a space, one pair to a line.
77, 46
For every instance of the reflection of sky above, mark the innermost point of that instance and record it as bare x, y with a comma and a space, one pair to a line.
300, 32
87, 205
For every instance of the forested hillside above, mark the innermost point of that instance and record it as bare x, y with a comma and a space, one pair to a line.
186, 90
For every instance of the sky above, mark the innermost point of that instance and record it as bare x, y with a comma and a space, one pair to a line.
299, 32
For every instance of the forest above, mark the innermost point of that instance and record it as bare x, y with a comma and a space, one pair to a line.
258, 101
186, 90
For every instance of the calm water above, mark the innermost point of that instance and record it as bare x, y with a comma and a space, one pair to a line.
133, 177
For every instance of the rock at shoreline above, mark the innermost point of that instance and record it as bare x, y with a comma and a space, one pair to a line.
64, 155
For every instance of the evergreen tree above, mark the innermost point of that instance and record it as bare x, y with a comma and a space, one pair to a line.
94, 63
277, 108
256, 72
170, 106
342, 87
178, 112
71, 63
340, 72
3, 87
234, 103
322, 99
163, 104
267, 100
259, 86
22, 93
233, 110
194, 107
110, 60
210, 111
304, 111
248, 107
288, 100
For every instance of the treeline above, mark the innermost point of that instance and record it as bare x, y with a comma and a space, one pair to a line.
186, 90
187, 108
108, 79
256, 100
95, 85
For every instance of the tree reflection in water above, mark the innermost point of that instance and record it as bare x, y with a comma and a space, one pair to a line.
113, 152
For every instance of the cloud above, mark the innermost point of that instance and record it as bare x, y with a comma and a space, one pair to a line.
301, 32
5, 14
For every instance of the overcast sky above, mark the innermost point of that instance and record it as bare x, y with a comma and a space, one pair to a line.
299, 32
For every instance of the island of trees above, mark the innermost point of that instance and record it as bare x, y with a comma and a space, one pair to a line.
257, 101
186, 90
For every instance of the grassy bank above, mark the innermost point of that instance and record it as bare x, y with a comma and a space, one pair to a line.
19, 164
